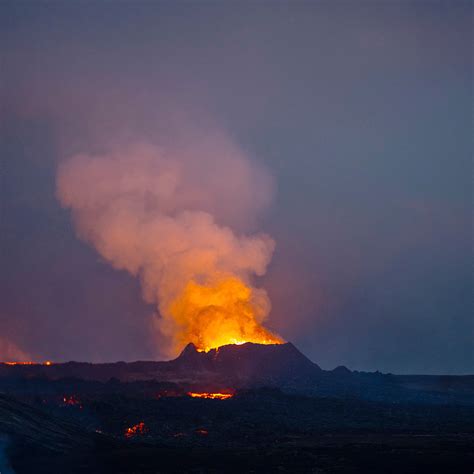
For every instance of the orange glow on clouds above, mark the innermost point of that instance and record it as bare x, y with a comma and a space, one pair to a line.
159, 214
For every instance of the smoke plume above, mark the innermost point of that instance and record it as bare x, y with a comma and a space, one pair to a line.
9, 351
172, 216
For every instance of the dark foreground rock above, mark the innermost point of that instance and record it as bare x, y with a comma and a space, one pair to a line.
248, 366
256, 431
285, 414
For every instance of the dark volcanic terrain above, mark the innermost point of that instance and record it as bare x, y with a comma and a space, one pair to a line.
286, 414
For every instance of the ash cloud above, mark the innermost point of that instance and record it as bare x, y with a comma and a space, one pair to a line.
170, 215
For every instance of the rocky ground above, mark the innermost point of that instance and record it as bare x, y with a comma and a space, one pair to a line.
285, 414
257, 431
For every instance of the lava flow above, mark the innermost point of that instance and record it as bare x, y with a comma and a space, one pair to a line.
72, 400
135, 430
214, 396
48, 362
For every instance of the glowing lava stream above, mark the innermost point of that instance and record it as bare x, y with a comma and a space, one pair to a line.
214, 396
135, 430
48, 362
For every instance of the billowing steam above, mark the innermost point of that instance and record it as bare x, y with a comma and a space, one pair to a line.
9, 351
165, 214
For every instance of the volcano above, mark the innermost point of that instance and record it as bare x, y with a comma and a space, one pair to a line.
235, 367
249, 362
232, 365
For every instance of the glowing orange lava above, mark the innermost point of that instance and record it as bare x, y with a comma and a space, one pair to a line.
214, 396
72, 400
225, 312
135, 430
48, 362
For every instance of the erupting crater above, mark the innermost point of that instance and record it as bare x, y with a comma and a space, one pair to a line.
239, 365
238, 342
225, 312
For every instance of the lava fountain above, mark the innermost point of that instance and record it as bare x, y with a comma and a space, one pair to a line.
217, 315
